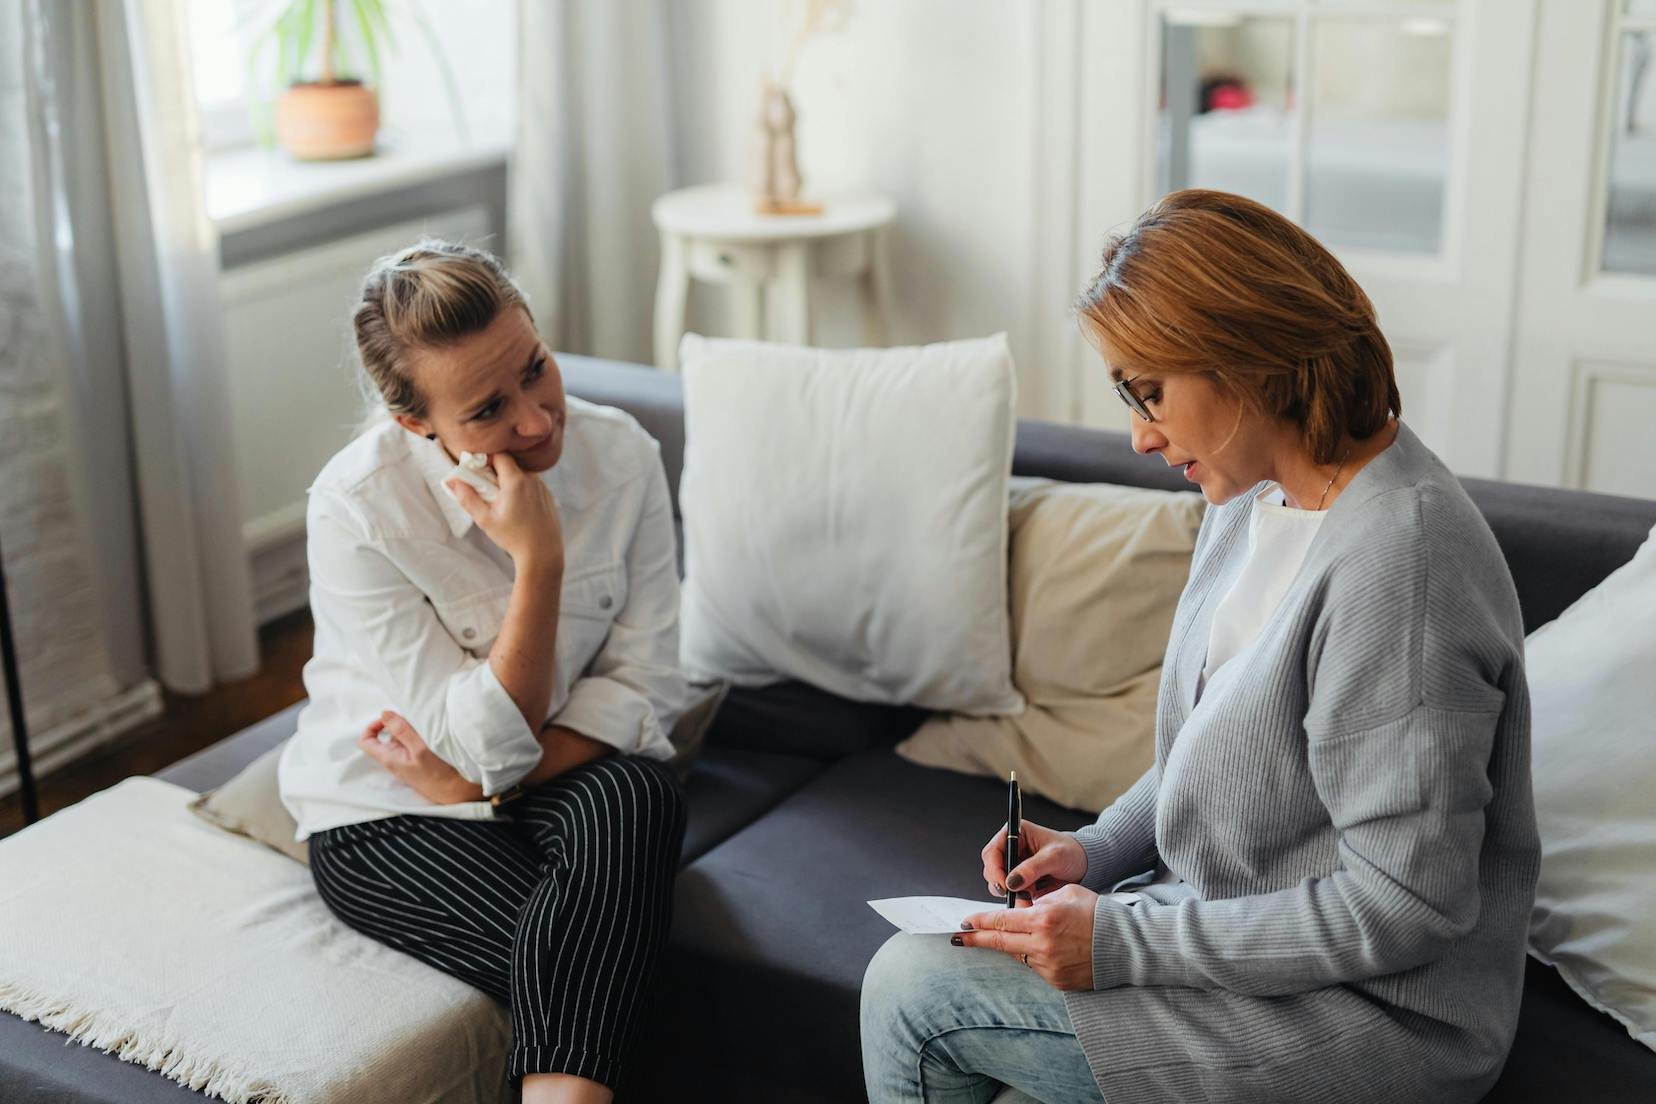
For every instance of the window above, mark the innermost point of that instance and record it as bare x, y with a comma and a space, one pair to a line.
1335, 113
219, 66
448, 76
1630, 206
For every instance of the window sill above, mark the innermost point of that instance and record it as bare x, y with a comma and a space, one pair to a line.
254, 187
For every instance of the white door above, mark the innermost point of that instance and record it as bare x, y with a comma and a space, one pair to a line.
1393, 130
1584, 395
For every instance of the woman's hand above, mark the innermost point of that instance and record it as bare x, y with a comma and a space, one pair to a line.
1054, 860
1053, 936
523, 518
405, 756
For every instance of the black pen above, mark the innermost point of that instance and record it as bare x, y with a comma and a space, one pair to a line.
1014, 825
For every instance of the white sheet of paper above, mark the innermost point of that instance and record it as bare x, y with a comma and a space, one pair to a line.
930, 915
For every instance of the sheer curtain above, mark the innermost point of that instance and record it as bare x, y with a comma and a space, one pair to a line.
132, 261
69, 676
593, 151
201, 604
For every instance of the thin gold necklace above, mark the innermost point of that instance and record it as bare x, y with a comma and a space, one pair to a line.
1335, 476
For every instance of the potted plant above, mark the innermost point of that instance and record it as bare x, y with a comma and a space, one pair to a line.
323, 111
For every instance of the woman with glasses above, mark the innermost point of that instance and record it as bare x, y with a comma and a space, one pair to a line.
1321, 888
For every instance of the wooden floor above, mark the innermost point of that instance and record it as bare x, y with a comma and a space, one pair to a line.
186, 725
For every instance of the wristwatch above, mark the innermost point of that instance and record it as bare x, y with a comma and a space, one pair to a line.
510, 793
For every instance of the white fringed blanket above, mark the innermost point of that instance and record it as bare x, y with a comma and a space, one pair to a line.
139, 929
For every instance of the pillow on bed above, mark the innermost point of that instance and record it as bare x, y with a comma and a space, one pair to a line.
1096, 572
1594, 768
845, 519
250, 803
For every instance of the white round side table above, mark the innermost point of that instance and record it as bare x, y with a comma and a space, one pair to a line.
712, 233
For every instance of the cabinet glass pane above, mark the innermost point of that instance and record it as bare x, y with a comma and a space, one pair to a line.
1630, 219
1641, 7
1378, 155
1226, 105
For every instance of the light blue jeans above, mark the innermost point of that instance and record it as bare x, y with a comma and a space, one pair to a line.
955, 1024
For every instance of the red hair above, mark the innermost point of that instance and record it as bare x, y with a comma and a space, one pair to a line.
1215, 283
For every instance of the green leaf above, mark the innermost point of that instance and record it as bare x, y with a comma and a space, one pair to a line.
365, 28
377, 13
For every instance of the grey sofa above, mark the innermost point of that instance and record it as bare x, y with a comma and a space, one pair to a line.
800, 811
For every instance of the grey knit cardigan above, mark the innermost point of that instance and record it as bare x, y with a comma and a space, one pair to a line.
1343, 826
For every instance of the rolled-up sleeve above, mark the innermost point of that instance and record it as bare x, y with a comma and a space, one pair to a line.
632, 692
396, 641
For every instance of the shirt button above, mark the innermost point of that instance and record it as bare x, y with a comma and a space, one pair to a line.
605, 602
468, 633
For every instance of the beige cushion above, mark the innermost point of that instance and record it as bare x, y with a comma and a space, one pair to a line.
1096, 572
250, 804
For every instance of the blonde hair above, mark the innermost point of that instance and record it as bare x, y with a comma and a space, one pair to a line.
426, 296
1214, 283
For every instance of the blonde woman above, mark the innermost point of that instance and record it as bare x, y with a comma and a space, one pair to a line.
1320, 890
479, 770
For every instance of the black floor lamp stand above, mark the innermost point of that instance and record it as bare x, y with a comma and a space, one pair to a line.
14, 699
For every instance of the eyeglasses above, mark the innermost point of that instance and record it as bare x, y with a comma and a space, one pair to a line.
1134, 403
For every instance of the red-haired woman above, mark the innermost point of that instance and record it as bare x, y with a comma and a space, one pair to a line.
1321, 888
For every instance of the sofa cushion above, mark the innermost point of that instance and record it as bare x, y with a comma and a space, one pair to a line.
1567, 1051
795, 718
730, 788
772, 931
1096, 572
41, 1066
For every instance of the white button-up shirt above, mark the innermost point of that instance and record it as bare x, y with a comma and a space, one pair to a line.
408, 594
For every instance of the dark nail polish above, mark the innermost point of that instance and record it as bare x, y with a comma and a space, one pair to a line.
966, 925
956, 941
1014, 881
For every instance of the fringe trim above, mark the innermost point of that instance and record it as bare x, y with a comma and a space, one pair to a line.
168, 1058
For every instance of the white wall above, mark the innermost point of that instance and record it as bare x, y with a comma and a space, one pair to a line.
933, 102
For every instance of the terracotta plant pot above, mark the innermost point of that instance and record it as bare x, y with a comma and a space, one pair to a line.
326, 122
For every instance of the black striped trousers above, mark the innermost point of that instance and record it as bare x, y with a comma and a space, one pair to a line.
560, 907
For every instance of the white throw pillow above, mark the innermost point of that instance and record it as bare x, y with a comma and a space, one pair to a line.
1594, 755
845, 519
